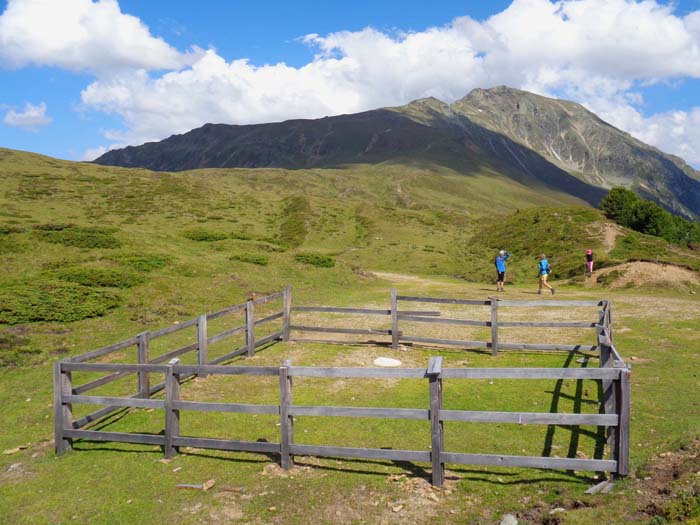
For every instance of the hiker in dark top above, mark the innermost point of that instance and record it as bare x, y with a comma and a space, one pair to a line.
589, 262
500, 263
544, 270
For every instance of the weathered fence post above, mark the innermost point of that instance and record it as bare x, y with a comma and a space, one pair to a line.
286, 313
202, 343
250, 327
394, 321
621, 451
286, 421
494, 325
172, 415
144, 387
606, 361
63, 412
436, 426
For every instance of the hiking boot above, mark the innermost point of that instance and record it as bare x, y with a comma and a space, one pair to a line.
539, 292
553, 290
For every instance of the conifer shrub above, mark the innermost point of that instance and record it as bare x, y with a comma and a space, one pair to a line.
315, 259
202, 235
103, 277
52, 300
78, 236
252, 258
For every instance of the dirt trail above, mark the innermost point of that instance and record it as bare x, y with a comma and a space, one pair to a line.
610, 234
397, 278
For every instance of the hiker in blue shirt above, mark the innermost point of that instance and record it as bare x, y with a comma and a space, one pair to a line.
500, 263
544, 270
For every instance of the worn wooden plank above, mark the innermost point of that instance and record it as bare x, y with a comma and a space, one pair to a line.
397, 373
598, 487
437, 444
451, 342
227, 370
63, 417
367, 453
172, 329
341, 310
202, 348
546, 302
268, 298
238, 351
286, 420
225, 444
530, 373
331, 330
269, 338
596, 465
269, 318
394, 321
98, 382
550, 324
226, 311
391, 413
117, 437
198, 406
494, 326
537, 346
174, 353
115, 401
103, 351
172, 412
112, 367
142, 353
250, 327
287, 313
438, 300
441, 320
340, 341
529, 418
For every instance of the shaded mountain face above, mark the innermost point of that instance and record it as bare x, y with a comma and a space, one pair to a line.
532, 139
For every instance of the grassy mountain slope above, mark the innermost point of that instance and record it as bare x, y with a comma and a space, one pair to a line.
146, 249
529, 138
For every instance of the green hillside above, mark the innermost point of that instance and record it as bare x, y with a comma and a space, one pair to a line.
94, 254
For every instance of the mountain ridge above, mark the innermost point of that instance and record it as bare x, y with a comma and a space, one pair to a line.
530, 138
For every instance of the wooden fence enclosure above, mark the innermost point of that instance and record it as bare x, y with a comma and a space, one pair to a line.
612, 373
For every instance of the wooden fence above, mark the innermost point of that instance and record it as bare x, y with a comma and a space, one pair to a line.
613, 374
493, 305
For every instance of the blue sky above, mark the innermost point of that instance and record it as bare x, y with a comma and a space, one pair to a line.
81, 76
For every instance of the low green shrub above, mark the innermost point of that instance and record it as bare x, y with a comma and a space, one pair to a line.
315, 259
143, 262
252, 258
15, 350
105, 277
60, 301
81, 236
53, 226
606, 279
202, 235
7, 229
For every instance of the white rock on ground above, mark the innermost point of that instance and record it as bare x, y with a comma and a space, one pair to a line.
509, 519
387, 361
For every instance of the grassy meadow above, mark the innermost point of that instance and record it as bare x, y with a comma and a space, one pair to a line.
93, 255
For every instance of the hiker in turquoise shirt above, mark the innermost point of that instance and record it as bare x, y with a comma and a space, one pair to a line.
543, 271
500, 263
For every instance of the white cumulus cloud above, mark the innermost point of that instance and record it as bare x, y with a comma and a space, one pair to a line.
31, 119
81, 35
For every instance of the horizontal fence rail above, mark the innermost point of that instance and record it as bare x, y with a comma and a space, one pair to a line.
613, 375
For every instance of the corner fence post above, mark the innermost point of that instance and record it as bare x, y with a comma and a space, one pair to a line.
286, 313
172, 415
250, 327
621, 452
286, 421
609, 405
437, 443
494, 325
202, 348
143, 377
63, 412
394, 321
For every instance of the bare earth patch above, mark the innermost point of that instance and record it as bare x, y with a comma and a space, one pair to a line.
650, 274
